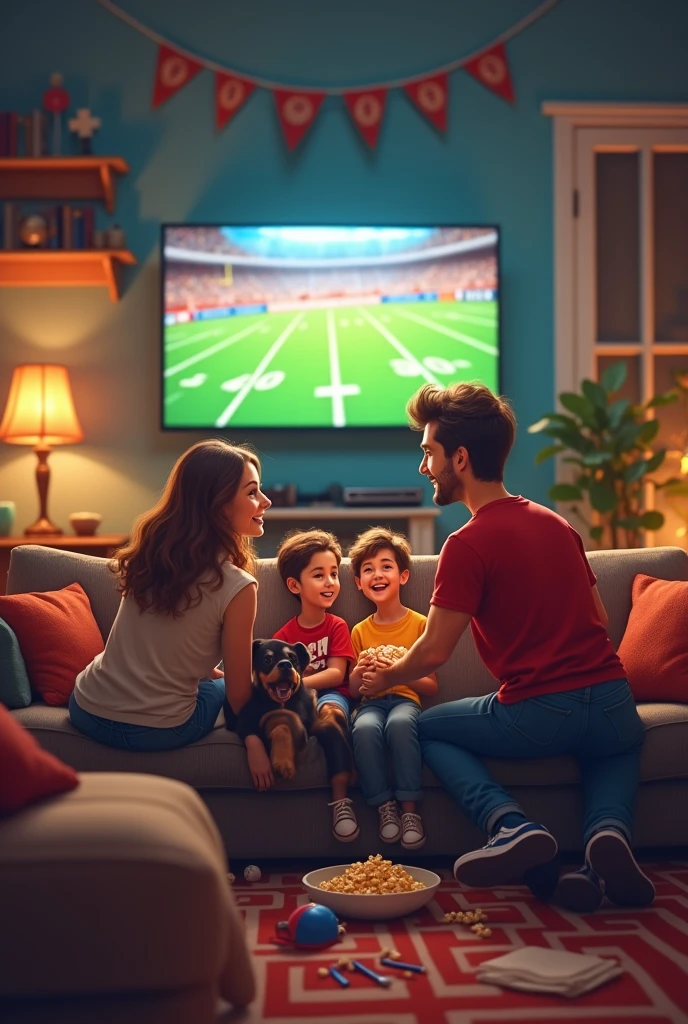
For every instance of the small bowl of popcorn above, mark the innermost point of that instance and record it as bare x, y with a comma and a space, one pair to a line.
372, 889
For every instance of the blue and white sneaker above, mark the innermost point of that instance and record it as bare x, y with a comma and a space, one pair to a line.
581, 891
609, 856
508, 854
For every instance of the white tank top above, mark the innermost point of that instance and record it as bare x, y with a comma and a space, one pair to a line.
148, 673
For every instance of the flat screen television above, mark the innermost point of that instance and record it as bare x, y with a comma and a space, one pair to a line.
325, 327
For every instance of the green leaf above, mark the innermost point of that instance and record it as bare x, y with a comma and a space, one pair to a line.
627, 437
579, 406
565, 492
616, 412
665, 399
656, 461
675, 488
537, 428
547, 453
594, 393
596, 532
597, 458
574, 459
630, 523
603, 496
613, 377
649, 431
570, 439
636, 471
652, 520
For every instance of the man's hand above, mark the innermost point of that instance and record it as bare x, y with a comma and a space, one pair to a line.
259, 763
374, 681
217, 673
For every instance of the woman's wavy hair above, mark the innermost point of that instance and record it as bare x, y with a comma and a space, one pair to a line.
182, 542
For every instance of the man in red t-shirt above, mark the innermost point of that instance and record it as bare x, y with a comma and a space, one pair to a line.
517, 572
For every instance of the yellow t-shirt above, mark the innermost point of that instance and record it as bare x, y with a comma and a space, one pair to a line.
403, 633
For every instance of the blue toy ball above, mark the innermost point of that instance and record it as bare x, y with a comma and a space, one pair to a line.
309, 927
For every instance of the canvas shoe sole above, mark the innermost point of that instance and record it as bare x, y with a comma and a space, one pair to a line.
507, 858
577, 891
610, 857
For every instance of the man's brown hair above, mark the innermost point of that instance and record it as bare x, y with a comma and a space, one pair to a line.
299, 546
468, 416
368, 544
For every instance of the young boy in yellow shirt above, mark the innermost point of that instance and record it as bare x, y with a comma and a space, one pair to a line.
380, 560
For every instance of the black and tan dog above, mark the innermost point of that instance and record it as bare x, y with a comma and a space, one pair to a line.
282, 711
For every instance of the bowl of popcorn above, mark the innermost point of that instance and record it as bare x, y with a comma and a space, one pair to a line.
373, 889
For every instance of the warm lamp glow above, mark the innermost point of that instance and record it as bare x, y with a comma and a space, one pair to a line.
40, 412
39, 409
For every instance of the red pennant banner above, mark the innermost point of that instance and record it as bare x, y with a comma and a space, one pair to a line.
296, 112
230, 94
367, 109
172, 71
491, 69
431, 96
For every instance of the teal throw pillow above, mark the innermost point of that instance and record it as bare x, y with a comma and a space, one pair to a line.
15, 689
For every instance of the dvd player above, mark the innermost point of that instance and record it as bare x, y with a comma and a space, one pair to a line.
383, 496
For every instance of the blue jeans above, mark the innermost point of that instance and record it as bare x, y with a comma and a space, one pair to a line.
334, 697
211, 694
381, 723
599, 725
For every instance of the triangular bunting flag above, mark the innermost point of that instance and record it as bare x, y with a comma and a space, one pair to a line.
431, 96
172, 71
491, 69
367, 109
230, 94
296, 112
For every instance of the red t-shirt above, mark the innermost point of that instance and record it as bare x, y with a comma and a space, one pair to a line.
520, 570
331, 639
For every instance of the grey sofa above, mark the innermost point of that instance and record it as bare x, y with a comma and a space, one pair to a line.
293, 820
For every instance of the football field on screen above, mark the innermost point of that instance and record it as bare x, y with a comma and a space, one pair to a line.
346, 366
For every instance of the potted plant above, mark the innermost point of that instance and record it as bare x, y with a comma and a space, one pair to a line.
607, 443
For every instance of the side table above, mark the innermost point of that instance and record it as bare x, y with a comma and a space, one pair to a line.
103, 546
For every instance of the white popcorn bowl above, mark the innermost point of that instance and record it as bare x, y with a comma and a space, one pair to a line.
370, 908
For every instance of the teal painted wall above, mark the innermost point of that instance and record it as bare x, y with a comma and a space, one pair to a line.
494, 166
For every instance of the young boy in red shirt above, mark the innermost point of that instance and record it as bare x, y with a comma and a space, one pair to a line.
308, 562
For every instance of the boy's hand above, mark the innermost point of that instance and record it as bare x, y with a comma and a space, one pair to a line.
217, 673
308, 671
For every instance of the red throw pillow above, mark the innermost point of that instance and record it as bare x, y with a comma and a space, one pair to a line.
57, 635
654, 649
27, 772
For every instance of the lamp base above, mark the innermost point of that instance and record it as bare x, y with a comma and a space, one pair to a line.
43, 528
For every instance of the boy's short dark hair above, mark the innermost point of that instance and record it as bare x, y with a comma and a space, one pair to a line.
299, 546
368, 544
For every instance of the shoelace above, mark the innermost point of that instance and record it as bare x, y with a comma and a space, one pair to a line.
409, 820
343, 809
389, 814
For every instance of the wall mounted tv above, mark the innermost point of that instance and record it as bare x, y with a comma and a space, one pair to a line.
296, 326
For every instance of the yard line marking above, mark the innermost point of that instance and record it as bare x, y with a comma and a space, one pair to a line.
467, 340
471, 318
224, 418
335, 389
172, 370
169, 399
172, 346
401, 349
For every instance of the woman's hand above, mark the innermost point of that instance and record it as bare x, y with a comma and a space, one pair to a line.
259, 763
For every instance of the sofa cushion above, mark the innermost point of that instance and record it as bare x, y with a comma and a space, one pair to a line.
58, 637
654, 649
15, 689
218, 761
27, 773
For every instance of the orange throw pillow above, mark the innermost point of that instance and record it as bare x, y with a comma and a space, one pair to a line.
57, 635
27, 772
654, 649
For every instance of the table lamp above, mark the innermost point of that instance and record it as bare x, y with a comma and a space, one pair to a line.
40, 412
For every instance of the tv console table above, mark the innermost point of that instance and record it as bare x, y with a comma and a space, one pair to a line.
421, 526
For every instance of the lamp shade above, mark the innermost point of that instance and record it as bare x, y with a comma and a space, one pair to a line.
39, 409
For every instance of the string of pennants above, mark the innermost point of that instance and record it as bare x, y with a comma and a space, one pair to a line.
297, 107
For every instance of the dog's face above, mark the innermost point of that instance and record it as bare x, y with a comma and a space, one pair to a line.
278, 667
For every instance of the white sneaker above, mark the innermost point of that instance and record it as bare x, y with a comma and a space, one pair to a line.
344, 824
390, 822
412, 831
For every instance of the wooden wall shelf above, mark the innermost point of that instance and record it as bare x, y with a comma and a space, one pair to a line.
37, 268
61, 177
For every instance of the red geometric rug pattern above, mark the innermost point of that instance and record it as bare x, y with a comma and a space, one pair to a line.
652, 946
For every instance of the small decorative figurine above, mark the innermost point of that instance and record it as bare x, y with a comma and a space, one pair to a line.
56, 101
84, 124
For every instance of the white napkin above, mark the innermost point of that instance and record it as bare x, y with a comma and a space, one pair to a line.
534, 969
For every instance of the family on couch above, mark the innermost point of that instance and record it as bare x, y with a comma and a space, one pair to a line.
517, 572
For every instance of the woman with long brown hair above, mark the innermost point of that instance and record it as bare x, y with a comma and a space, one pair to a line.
188, 600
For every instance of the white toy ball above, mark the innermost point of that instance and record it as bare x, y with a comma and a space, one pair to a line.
252, 873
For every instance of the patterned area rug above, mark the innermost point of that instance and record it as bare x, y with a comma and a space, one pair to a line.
652, 946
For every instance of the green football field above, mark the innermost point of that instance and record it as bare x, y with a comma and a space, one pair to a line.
347, 366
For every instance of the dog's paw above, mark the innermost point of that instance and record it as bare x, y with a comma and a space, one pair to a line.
284, 768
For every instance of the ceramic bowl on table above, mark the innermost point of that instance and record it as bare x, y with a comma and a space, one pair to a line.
85, 524
371, 908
